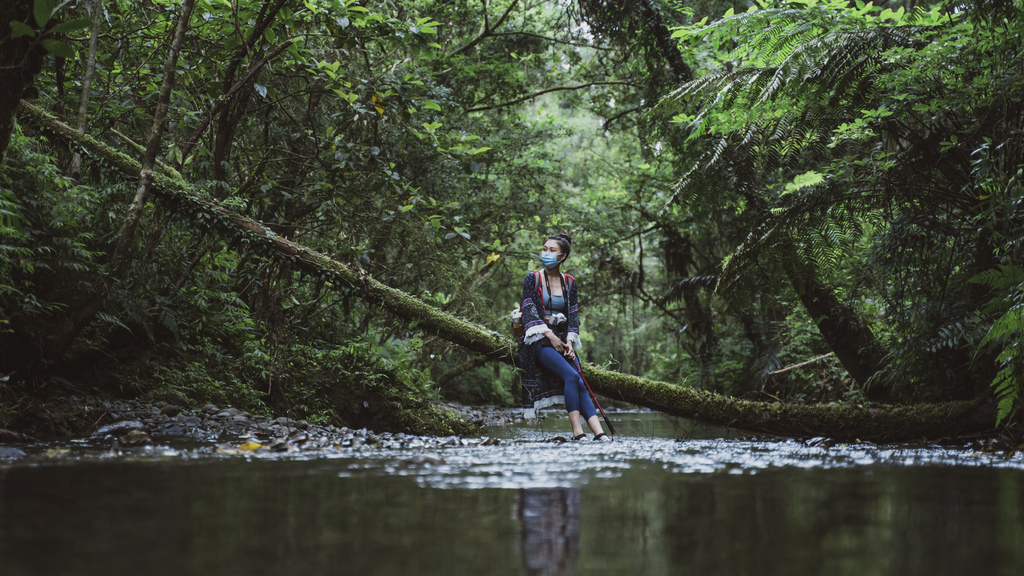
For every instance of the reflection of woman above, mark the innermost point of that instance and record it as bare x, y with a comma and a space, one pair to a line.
550, 339
550, 523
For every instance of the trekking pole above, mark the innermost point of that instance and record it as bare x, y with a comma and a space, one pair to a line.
579, 369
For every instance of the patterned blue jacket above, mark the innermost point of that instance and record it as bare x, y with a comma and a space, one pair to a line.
540, 387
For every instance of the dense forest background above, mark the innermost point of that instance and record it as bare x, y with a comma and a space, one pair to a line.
805, 202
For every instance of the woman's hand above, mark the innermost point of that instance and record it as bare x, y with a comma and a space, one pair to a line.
555, 342
569, 352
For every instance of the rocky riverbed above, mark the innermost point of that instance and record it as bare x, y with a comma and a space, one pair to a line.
132, 427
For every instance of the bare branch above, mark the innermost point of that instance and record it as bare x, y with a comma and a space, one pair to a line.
488, 30
802, 364
547, 91
550, 39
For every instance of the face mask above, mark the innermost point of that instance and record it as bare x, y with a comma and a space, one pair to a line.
549, 260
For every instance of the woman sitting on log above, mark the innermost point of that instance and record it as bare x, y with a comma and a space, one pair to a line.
550, 317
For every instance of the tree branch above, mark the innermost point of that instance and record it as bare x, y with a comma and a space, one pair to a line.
802, 364
609, 121
223, 101
488, 30
549, 39
549, 90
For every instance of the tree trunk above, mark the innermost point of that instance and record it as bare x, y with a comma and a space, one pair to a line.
83, 314
90, 70
841, 421
20, 60
841, 327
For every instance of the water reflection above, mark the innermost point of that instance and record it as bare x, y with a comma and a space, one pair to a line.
549, 520
646, 504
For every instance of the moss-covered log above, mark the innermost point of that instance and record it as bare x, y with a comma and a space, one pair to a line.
841, 421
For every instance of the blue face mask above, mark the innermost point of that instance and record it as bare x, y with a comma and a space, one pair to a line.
549, 260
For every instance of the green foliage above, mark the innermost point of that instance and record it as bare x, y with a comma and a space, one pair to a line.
1006, 335
435, 144
857, 138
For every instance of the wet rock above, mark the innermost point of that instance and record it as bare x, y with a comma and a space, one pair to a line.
135, 437
7, 452
118, 428
821, 442
421, 462
170, 411
490, 442
170, 429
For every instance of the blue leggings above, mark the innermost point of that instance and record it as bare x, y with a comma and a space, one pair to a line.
576, 397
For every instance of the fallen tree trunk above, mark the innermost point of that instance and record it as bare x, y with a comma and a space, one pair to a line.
878, 423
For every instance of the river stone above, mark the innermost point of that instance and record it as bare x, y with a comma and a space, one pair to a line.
170, 410
170, 429
8, 452
135, 437
211, 408
118, 428
240, 418
283, 420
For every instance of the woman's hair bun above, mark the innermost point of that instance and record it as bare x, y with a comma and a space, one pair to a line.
564, 240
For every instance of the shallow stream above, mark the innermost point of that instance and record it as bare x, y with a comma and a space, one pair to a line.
668, 497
